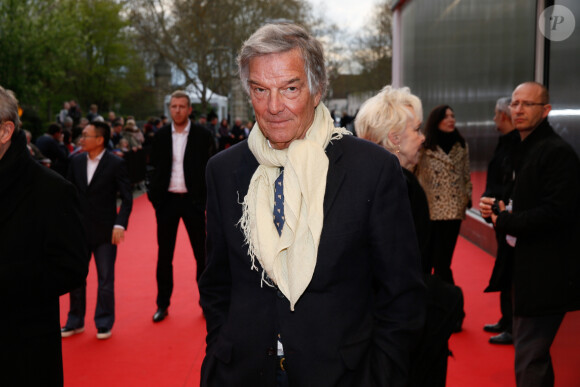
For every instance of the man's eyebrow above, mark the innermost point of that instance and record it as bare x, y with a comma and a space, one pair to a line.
293, 80
288, 82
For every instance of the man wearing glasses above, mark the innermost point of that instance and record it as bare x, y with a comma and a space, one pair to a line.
99, 176
545, 223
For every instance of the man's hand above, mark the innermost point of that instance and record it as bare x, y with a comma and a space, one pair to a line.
118, 236
485, 206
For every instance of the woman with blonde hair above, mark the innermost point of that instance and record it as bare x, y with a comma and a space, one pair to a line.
392, 119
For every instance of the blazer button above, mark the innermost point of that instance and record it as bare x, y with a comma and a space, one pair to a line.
280, 294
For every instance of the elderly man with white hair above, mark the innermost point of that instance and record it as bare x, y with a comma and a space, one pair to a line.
313, 272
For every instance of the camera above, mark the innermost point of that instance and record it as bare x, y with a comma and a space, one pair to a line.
495, 207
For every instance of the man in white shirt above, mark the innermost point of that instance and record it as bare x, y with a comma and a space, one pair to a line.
177, 190
99, 176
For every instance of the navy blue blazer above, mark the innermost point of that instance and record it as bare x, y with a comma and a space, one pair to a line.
99, 198
359, 318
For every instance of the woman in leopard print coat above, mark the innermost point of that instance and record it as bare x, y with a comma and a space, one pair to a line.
443, 172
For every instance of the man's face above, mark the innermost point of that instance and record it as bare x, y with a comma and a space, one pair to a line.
502, 121
90, 141
179, 110
281, 98
6, 132
527, 118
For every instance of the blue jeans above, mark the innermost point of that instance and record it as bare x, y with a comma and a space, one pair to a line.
105, 256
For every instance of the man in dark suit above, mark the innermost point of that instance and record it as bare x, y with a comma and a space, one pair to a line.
545, 222
179, 155
99, 177
51, 145
313, 274
499, 184
42, 256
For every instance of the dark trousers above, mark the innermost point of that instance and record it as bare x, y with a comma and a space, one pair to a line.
105, 256
168, 213
505, 304
444, 235
533, 337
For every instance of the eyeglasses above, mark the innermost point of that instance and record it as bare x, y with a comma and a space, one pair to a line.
525, 104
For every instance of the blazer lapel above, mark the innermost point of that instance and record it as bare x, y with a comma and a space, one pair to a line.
335, 175
243, 174
81, 172
100, 167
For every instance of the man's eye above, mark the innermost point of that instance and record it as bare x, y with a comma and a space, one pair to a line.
290, 91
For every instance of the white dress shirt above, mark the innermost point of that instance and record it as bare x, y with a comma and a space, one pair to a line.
177, 181
92, 165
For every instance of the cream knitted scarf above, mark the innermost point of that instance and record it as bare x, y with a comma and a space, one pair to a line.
289, 259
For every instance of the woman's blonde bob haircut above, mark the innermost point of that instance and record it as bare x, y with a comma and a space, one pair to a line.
387, 112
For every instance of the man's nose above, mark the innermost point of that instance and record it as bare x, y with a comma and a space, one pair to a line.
275, 103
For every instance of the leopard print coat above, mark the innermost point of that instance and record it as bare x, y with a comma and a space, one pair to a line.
446, 181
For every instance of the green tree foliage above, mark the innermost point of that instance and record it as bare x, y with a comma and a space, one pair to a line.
56, 50
108, 67
36, 38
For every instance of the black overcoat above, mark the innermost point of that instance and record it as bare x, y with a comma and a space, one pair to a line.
43, 255
546, 223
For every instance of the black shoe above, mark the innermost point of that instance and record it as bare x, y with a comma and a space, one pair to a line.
502, 338
103, 333
66, 331
160, 315
494, 328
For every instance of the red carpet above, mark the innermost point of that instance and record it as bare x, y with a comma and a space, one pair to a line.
141, 353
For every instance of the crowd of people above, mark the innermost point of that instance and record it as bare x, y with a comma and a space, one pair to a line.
62, 138
322, 258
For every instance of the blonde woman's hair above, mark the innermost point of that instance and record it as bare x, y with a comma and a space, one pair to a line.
387, 112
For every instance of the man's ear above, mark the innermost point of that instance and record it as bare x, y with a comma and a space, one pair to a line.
317, 99
6, 132
547, 109
101, 141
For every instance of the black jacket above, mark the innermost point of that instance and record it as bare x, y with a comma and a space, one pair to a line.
499, 185
200, 147
361, 314
99, 199
546, 222
42, 256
